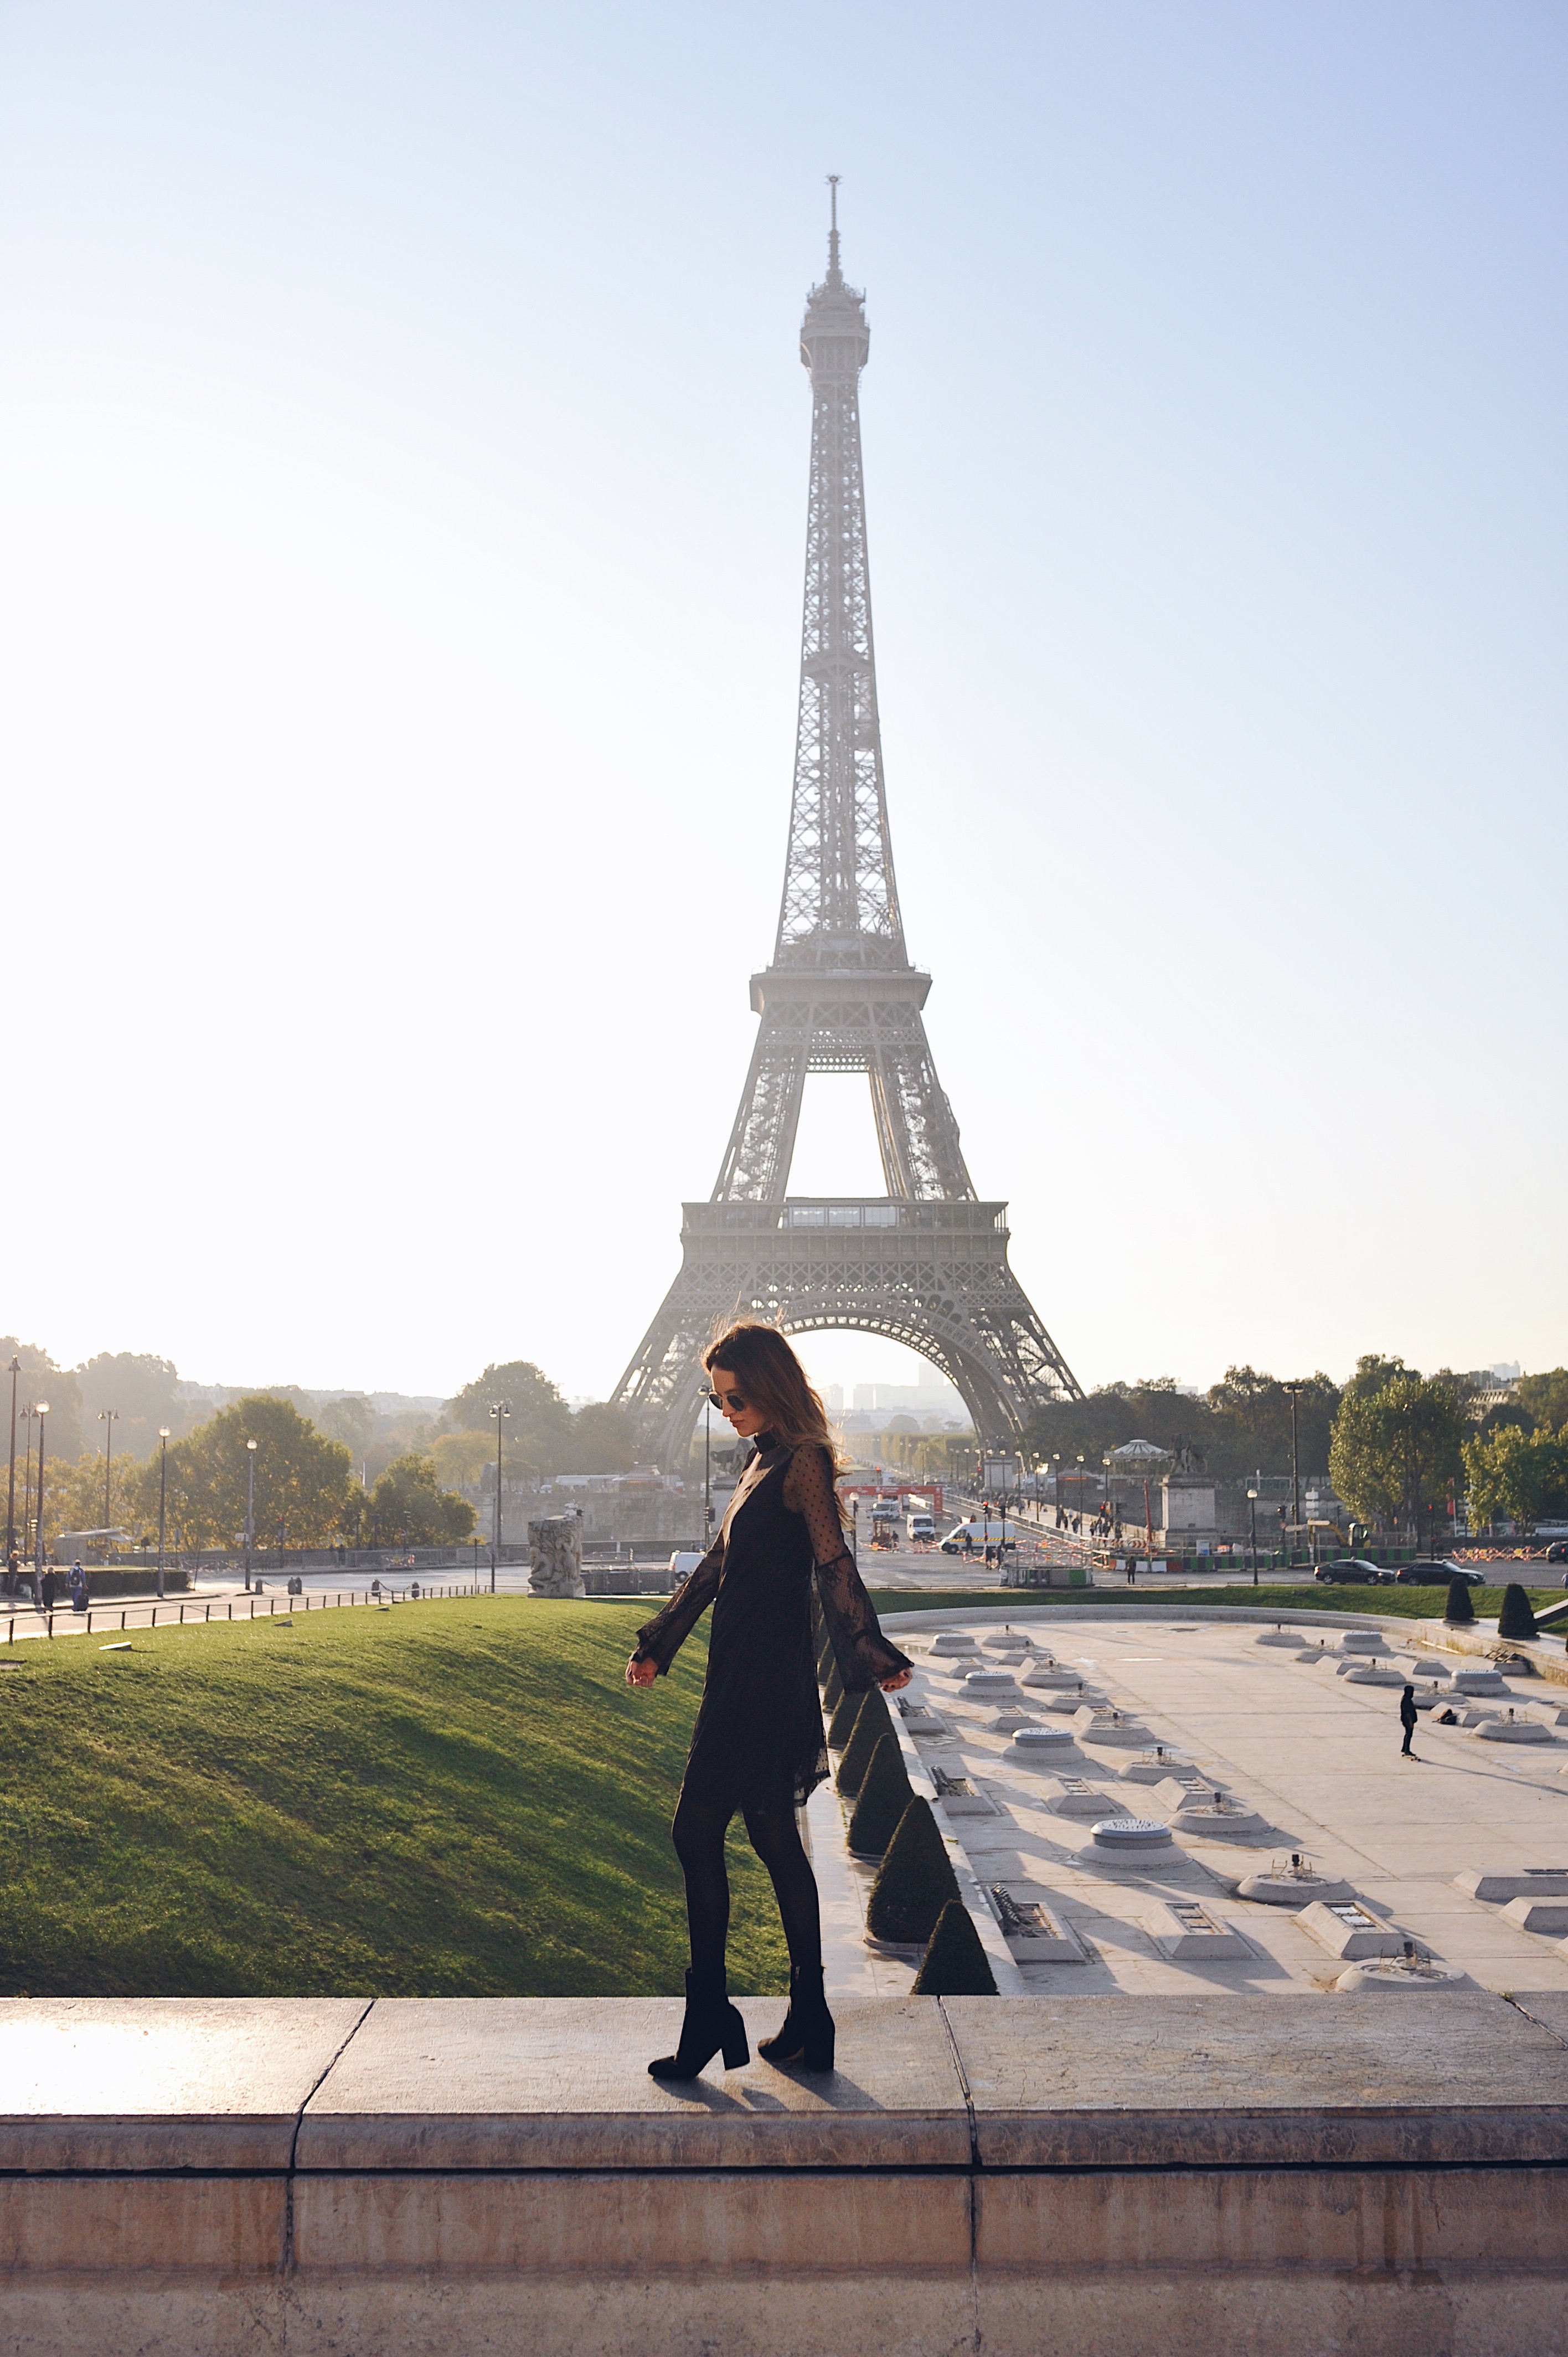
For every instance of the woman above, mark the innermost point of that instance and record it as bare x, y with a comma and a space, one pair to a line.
758, 1745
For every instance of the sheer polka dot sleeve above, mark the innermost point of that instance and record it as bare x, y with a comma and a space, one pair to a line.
863, 1654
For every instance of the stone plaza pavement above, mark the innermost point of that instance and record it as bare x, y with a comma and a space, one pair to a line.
1311, 1756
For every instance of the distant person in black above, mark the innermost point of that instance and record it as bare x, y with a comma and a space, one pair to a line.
757, 1747
47, 1590
1407, 1720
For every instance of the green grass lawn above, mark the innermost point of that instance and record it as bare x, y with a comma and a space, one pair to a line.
1409, 1603
449, 1799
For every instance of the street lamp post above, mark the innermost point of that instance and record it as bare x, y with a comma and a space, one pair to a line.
11, 1475
163, 1498
108, 1417
1296, 1391
27, 1416
1252, 1517
707, 1470
500, 1410
250, 1509
41, 1412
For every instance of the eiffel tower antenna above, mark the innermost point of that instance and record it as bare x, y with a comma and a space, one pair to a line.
926, 1264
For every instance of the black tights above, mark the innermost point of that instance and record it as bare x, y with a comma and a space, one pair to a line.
698, 1833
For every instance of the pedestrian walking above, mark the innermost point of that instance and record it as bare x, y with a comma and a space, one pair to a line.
47, 1589
78, 1588
757, 1747
1407, 1720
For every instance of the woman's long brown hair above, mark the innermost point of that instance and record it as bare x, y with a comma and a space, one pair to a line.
770, 1378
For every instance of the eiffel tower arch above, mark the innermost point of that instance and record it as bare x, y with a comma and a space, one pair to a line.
926, 1264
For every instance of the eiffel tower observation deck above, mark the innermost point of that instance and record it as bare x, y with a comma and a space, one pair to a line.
926, 1264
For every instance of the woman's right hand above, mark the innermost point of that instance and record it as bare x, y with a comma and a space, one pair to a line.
640, 1673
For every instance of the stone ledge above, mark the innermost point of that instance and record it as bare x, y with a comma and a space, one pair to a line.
1024, 2177
147, 2086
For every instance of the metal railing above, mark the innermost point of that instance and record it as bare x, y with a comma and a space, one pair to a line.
221, 1608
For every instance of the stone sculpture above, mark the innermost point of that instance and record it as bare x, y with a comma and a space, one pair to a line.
555, 1555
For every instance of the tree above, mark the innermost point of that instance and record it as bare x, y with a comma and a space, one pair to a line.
1459, 1611
539, 1432
142, 1391
303, 1481
74, 1493
1517, 1474
600, 1441
1544, 1399
40, 1379
1516, 1618
1250, 1426
885, 1793
1396, 1445
955, 1963
462, 1460
410, 1507
351, 1420
1241, 1425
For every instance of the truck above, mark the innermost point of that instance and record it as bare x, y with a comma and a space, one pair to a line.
918, 1521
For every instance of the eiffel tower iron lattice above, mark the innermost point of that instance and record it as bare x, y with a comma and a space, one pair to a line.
927, 1263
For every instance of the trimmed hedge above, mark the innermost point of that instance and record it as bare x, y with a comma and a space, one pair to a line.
106, 1583
841, 1726
872, 1721
833, 1692
1516, 1618
1459, 1611
955, 1963
884, 1794
916, 1882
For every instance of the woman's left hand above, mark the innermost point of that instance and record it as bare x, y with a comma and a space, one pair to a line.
899, 1678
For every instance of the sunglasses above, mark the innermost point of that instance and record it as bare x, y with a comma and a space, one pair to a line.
732, 1400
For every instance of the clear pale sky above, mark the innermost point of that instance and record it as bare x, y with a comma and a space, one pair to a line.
403, 449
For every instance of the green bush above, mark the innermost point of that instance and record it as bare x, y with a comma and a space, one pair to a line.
1516, 1618
872, 1721
833, 1692
841, 1725
955, 1963
825, 1656
1458, 1611
916, 1882
884, 1794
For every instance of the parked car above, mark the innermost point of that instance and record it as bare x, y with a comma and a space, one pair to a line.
1558, 1551
1436, 1574
1354, 1568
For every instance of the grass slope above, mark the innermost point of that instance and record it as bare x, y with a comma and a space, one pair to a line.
449, 1799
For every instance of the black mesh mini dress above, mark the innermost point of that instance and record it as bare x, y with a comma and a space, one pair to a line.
757, 1743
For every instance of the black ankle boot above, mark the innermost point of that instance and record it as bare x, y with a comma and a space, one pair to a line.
806, 2034
710, 2022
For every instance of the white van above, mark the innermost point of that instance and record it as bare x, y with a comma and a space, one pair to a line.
917, 1523
683, 1564
981, 1535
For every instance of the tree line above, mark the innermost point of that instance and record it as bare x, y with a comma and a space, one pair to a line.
1400, 1448
306, 1488
307, 1461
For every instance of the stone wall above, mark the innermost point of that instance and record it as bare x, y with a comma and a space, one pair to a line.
1027, 2177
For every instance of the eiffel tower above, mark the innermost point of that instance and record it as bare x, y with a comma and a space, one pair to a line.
925, 1265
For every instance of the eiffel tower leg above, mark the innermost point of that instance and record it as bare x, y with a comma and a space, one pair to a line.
662, 1386
762, 1143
